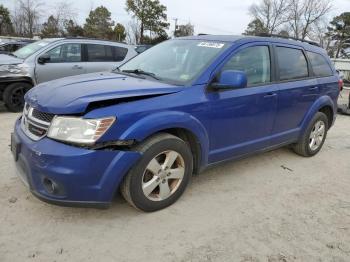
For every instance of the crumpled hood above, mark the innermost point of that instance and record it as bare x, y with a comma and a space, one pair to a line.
72, 95
9, 60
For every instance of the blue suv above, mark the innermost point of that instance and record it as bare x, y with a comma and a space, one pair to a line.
168, 113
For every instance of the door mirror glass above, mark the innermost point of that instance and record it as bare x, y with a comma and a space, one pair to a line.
231, 79
44, 59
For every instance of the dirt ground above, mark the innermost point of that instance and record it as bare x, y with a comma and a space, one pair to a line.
272, 207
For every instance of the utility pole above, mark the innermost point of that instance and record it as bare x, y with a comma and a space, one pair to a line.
175, 19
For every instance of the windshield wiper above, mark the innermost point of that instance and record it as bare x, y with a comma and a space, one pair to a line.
141, 72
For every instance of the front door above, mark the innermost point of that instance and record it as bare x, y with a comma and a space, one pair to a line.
242, 119
65, 60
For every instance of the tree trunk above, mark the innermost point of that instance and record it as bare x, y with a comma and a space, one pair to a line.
339, 45
141, 33
339, 48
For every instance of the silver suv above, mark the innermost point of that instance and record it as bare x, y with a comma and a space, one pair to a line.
54, 58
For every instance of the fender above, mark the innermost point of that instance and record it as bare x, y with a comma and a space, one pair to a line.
317, 105
157, 122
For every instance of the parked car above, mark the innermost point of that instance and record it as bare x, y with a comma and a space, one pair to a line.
9, 47
170, 112
55, 58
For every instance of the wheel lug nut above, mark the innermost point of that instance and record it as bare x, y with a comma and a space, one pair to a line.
163, 181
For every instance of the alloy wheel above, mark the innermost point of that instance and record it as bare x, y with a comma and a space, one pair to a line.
317, 135
163, 175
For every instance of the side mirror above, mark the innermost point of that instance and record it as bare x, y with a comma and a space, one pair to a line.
231, 79
43, 59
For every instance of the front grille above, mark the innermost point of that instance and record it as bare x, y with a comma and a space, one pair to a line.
35, 123
46, 117
37, 131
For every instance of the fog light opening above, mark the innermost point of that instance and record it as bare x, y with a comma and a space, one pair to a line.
50, 186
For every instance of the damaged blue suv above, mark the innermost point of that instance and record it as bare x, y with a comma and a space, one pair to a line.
168, 113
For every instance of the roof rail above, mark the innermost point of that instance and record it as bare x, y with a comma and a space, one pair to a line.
289, 37
86, 38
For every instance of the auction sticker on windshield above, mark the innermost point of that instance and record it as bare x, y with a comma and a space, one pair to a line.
211, 44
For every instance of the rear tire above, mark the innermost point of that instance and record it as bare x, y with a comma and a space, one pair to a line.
313, 137
161, 175
13, 96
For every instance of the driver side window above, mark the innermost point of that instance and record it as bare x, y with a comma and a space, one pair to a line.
254, 61
66, 53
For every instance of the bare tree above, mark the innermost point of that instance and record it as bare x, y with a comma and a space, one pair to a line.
271, 13
62, 11
305, 14
133, 33
18, 22
26, 17
300, 18
318, 33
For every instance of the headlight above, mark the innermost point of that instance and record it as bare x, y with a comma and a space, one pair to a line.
14, 69
79, 130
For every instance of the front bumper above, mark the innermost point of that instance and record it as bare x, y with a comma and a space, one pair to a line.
82, 177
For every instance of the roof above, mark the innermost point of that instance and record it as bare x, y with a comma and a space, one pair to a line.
222, 38
246, 39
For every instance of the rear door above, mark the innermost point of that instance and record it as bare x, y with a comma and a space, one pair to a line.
298, 90
65, 60
100, 57
326, 78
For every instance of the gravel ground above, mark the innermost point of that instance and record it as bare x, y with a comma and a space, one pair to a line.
272, 207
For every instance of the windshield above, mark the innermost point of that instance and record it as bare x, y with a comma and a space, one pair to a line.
30, 49
176, 61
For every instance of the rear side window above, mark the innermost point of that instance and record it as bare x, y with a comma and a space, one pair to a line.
292, 63
255, 62
119, 53
319, 64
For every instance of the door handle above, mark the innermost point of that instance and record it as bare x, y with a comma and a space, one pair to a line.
313, 88
77, 67
270, 95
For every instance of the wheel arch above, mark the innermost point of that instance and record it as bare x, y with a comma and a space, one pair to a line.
180, 124
4, 83
8, 81
323, 104
328, 111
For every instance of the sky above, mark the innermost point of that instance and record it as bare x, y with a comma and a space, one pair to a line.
208, 16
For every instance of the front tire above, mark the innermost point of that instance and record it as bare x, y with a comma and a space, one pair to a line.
162, 174
313, 137
13, 96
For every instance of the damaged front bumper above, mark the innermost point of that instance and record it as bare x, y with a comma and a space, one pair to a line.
66, 175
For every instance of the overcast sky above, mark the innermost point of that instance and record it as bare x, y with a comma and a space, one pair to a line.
208, 16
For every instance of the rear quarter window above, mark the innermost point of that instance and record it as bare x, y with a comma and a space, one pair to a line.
292, 64
319, 64
119, 53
